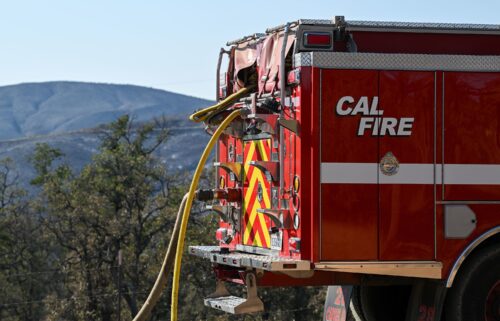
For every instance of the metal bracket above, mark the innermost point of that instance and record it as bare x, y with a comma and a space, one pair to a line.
220, 210
290, 124
253, 299
236, 305
236, 129
271, 169
231, 167
265, 122
281, 218
220, 290
340, 26
228, 214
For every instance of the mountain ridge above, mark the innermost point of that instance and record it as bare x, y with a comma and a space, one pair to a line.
68, 116
75, 105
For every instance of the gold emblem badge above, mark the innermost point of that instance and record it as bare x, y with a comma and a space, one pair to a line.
389, 164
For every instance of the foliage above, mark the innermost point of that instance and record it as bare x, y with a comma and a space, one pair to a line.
26, 253
89, 245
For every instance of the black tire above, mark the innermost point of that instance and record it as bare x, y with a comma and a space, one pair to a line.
355, 311
385, 303
474, 295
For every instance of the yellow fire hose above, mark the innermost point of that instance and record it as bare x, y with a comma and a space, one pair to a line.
204, 114
161, 280
187, 210
179, 230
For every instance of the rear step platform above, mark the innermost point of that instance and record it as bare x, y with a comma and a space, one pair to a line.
230, 304
222, 300
247, 260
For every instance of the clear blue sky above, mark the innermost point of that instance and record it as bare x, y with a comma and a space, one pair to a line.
172, 45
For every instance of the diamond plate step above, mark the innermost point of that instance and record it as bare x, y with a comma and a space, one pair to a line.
235, 305
240, 259
222, 300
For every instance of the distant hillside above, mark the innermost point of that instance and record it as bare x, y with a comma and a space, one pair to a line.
64, 114
55, 107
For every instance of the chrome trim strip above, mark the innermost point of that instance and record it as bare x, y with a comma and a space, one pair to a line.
394, 26
418, 269
468, 202
467, 251
238, 259
411, 173
345, 60
257, 250
427, 27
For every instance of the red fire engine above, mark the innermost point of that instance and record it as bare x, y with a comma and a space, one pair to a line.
366, 156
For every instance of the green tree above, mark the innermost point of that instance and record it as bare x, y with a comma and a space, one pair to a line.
123, 202
25, 252
59, 252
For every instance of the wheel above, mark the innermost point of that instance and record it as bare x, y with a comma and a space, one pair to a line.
355, 311
387, 303
475, 294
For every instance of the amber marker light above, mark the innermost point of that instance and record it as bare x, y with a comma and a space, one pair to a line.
296, 184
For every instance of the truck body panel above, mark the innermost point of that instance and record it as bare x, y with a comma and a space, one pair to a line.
377, 153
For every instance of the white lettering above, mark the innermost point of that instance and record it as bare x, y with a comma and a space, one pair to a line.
388, 125
380, 126
376, 126
373, 108
364, 124
341, 102
362, 107
405, 126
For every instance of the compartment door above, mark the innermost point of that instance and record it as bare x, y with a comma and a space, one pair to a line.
471, 136
406, 166
349, 191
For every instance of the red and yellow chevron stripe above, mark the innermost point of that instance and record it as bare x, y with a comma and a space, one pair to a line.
256, 225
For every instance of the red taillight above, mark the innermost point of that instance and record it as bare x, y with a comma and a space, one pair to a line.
317, 39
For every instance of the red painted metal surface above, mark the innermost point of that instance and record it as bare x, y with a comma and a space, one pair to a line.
449, 249
427, 43
226, 144
472, 129
406, 230
456, 121
349, 212
305, 153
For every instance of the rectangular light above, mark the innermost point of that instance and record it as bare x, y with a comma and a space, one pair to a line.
317, 39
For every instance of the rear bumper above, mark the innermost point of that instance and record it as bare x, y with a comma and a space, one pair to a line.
246, 260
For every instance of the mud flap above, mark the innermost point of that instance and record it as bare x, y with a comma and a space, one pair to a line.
337, 303
426, 301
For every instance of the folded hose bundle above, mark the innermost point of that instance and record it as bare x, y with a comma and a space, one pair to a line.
206, 113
